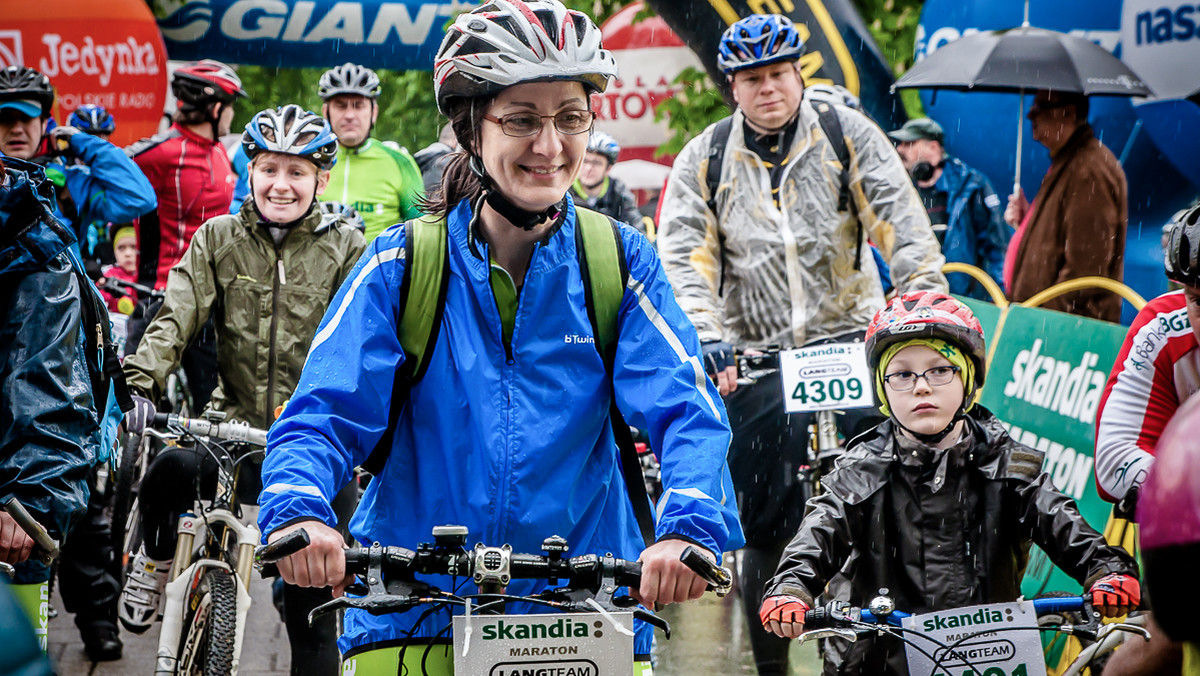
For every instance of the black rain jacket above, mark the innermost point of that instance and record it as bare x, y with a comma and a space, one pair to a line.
937, 530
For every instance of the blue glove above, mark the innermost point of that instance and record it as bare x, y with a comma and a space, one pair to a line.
717, 356
142, 415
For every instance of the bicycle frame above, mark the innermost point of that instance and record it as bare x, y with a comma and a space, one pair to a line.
211, 536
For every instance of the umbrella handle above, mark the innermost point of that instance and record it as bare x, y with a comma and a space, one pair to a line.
1020, 138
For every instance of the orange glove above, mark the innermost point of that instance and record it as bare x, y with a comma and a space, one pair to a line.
782, 608
1117, 594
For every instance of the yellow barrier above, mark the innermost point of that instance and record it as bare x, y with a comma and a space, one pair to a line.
1085, 282
983, 278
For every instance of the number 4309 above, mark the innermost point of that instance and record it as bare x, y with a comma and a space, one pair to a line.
819, 391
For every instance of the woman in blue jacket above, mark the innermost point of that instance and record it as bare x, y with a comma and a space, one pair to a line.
508, 432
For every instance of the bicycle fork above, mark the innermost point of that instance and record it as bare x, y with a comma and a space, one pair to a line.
181, 578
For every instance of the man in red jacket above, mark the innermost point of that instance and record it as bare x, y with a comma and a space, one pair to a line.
194, 181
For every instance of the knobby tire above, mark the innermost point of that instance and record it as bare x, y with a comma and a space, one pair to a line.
212, 626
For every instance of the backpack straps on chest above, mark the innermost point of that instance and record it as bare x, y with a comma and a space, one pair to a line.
831, 125
423, 292
422, 301
605, 275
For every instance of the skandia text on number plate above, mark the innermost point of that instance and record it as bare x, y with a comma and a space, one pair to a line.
826, 377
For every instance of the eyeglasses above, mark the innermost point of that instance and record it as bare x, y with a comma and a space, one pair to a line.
570, 122
903, 381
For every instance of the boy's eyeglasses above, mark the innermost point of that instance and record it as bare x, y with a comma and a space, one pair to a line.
903, 381
570, 122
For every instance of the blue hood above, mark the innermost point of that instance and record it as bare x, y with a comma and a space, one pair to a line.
30, 235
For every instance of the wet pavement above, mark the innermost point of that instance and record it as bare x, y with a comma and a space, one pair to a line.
709, 637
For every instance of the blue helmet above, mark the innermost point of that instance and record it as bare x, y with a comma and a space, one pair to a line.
606, 145
291, 130
758, 40
92, 119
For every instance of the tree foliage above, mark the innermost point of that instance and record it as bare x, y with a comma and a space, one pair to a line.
893, 24
408, 113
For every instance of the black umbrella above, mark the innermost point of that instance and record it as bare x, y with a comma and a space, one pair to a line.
1022, 58
1018, 59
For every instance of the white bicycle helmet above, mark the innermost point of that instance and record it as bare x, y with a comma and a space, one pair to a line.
291, 130
349, 78
505, 42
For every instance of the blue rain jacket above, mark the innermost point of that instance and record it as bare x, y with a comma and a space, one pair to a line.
107, 188
975, 229
515, 447
49, 428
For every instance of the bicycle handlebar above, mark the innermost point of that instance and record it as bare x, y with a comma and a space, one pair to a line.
45, 548
591, 580
225, 431
840, 614
123, 287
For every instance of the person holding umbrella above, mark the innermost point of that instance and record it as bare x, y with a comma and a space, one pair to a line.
1076, 225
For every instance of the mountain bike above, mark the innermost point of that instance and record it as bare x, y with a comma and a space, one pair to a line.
207, 597
589, 632
996, 639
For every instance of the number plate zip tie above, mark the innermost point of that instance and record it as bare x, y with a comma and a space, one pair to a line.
467, 630
608, 616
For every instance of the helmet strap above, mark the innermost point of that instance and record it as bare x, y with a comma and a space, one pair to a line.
936, 437
522, 218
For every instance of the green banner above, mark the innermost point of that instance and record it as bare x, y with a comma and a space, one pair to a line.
1045, 379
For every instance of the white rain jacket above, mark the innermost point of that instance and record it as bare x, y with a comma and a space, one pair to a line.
789, 274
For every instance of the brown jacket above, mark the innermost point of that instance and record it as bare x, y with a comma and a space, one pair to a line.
1077, 229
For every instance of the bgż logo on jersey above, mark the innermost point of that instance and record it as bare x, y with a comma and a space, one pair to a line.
190, 20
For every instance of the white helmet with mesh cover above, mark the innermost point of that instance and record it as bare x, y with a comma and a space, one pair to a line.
506, 42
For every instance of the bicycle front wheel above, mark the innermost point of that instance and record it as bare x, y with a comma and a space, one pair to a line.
210, 626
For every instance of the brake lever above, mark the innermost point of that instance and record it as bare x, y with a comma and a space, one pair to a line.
654, 621
817, 634
1107, 629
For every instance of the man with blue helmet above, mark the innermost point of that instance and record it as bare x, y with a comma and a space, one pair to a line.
767, 249
280, 251
597, 190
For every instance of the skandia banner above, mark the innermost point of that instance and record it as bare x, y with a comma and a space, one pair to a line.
1044, 382
398, 35
108, 54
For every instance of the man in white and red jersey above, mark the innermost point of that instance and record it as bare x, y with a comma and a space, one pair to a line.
1156, 371
194, 181
187, 165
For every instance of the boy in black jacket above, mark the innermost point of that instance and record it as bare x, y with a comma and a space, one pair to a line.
938, 503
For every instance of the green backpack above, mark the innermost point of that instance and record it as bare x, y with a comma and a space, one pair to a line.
423, 297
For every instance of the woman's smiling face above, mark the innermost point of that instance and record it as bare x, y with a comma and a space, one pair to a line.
534, 172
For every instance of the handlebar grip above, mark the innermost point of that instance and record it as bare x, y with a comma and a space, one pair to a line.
283, 547
162, 419
719, 579
46, 549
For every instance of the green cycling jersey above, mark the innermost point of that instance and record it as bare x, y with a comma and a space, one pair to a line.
383, 185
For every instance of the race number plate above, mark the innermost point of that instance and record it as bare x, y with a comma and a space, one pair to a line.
825, 377
978, 640
562, 644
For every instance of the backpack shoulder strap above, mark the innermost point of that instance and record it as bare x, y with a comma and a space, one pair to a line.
605, 274
831, 125
423, 292
716, 157
422, 301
